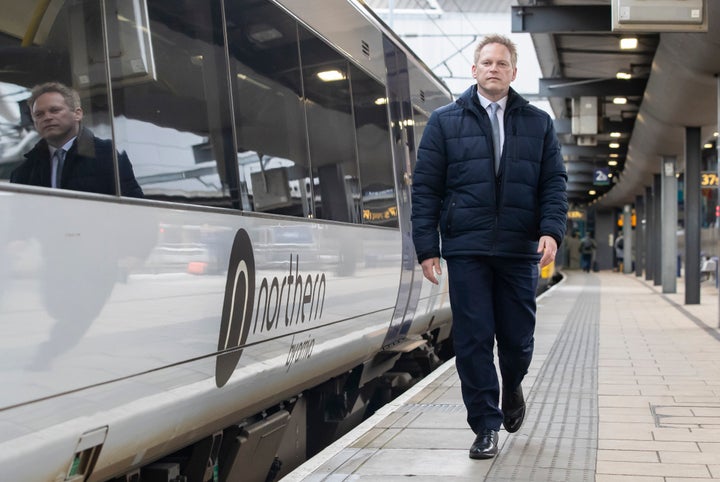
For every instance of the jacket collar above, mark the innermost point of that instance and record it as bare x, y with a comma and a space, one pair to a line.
469, 100
84, 145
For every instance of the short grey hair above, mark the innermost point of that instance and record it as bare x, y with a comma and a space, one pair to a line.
72, 98
498, 39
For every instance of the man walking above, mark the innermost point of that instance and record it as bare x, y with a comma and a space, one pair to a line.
490, 188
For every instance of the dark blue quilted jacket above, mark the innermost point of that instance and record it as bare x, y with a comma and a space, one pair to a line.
455, 189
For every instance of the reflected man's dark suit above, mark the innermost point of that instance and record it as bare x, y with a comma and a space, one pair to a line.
88, 167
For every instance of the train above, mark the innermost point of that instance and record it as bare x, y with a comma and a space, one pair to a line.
263, 296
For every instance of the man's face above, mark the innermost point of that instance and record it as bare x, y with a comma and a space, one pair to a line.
56, 122
494, 71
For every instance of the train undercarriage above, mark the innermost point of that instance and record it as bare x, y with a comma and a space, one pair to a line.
275, 441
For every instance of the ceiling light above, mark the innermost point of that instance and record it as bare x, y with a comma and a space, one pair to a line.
715, 134
244, 77
619, 100
707, 146
262, 33
628, 43
592, 192
381, 101
609, 174
614, 145
330, 75
623, 75
615, 134
614, 154
612, 163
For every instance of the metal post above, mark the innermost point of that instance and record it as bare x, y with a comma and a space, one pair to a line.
649, 234
668, 222
627, 239
692, 215
110, 100
657, 229
639, 235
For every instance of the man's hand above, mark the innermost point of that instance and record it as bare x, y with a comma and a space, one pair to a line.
548, 247
431, 267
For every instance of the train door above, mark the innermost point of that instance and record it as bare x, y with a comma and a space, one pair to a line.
403, 147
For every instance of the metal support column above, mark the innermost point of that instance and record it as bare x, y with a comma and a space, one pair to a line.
656, 230
639, 235
649, 234
668, 223
627, 239
692, 215
717, 146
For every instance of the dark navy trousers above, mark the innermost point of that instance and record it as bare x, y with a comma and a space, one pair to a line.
492, 299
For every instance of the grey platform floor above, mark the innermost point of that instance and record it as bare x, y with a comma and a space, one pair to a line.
624, 386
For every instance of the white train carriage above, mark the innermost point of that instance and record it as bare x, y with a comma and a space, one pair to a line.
264, 295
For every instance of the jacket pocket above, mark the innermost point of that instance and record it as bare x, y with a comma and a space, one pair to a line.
448, 226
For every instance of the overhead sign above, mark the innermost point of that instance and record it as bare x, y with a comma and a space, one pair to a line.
601, 177
576, 214
659, 15
709, 179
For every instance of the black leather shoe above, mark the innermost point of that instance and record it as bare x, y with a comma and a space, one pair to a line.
513, 408
485, 445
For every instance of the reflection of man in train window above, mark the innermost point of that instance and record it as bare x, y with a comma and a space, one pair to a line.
69, 156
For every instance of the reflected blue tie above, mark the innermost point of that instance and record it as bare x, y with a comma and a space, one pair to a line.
60, 156
497, 148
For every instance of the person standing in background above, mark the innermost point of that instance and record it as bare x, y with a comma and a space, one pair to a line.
620, 252
587, 251
572, 250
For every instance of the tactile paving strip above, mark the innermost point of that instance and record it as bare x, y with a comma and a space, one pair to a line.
558, 441
433, 407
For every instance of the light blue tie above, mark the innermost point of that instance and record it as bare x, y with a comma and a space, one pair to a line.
497, 147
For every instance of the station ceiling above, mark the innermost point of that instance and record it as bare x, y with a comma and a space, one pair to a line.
672, 86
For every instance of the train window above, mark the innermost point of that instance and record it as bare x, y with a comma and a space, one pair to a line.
171, 102
331, 131
269, 118
379, 203
58, 43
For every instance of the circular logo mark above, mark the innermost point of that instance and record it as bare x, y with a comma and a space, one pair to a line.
237, 307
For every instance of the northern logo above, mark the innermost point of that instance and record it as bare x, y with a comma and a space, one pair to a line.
282, 302
237, 307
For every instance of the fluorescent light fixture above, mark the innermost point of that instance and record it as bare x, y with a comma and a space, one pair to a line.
262, 33
619, 100
623, 75
252, 81
615, 134
614, 145
381, 101
628, 43
612, 163
330, 75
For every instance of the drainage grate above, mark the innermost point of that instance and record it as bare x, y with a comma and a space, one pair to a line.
686, 416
